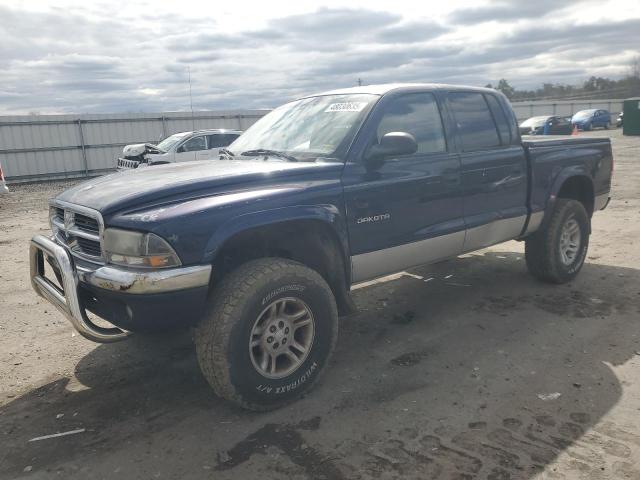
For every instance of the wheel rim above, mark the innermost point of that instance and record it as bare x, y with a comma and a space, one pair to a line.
570, 241
281, 337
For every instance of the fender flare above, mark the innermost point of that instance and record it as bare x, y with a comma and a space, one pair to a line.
328, 214
564, 175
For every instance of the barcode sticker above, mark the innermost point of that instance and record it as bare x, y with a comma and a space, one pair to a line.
346, 107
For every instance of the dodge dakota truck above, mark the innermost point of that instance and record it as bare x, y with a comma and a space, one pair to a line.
258, 251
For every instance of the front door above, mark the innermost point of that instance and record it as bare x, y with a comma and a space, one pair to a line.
187, 151
494, 173
407, 210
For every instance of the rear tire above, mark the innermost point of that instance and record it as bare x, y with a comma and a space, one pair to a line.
270, 330
556, 253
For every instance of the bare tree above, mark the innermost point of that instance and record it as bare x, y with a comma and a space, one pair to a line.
634, 67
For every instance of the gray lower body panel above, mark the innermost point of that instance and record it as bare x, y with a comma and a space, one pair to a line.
368, 266
395, 259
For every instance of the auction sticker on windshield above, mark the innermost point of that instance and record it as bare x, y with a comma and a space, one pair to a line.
346, 107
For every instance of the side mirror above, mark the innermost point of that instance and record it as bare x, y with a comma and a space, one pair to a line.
392, 144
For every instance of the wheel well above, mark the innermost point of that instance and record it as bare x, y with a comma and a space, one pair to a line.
579, 188
310, 242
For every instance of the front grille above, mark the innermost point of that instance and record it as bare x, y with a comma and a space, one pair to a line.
89, 247
87, 224
79, 229
124, 163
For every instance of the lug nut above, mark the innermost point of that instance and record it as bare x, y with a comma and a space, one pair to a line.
270, 339
272, 328
284, 340
276, 345
286, 330
281, 324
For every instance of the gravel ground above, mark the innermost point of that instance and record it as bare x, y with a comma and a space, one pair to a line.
481, 372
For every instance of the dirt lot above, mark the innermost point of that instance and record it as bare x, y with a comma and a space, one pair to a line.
481, 372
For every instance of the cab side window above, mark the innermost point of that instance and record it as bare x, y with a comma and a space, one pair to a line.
193, 145
419, 115
474, 122
501, 119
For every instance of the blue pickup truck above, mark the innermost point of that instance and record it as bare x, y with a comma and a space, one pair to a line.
258, 250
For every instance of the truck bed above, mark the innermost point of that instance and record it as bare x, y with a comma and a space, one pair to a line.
553, 159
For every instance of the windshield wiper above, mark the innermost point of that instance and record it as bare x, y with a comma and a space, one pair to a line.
228, 153
266, 152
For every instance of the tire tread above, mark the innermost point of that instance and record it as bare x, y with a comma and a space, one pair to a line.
212, 333
540, 247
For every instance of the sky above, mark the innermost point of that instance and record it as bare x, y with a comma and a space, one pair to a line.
136, 56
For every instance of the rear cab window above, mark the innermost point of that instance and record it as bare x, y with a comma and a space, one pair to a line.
474, 121
501, 119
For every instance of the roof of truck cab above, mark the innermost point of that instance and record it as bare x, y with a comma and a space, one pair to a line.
385, 88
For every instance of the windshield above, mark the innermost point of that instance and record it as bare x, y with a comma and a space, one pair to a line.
166, 144
534, 122
307, 128
584, 114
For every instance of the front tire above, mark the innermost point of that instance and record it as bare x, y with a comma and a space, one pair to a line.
270, 330
556, 253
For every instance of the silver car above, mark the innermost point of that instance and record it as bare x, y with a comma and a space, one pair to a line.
179, 147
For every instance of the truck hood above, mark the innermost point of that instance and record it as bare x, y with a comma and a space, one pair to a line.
143, 187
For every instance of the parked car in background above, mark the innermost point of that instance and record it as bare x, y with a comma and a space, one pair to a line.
555, 126
179, 147
619, 120
3, 184
593, 118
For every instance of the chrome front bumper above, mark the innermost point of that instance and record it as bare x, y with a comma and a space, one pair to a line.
110, 278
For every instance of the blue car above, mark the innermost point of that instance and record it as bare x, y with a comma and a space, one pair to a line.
592, 118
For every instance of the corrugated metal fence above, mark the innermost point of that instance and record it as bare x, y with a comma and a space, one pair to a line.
564, 108
41, 147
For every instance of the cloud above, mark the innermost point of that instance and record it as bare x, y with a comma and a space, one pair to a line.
329, 23
90, 59
411, 32
508, 10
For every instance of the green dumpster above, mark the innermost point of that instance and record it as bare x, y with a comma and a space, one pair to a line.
631, 109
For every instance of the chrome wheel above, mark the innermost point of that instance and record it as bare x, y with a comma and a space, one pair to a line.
281, 337
569, 241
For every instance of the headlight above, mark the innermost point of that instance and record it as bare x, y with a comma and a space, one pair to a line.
135, 249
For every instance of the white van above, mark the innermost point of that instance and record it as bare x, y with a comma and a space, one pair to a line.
179, 147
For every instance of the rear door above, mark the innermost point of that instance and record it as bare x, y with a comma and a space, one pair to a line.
603, 118
216, 141
494, 174
405, 210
